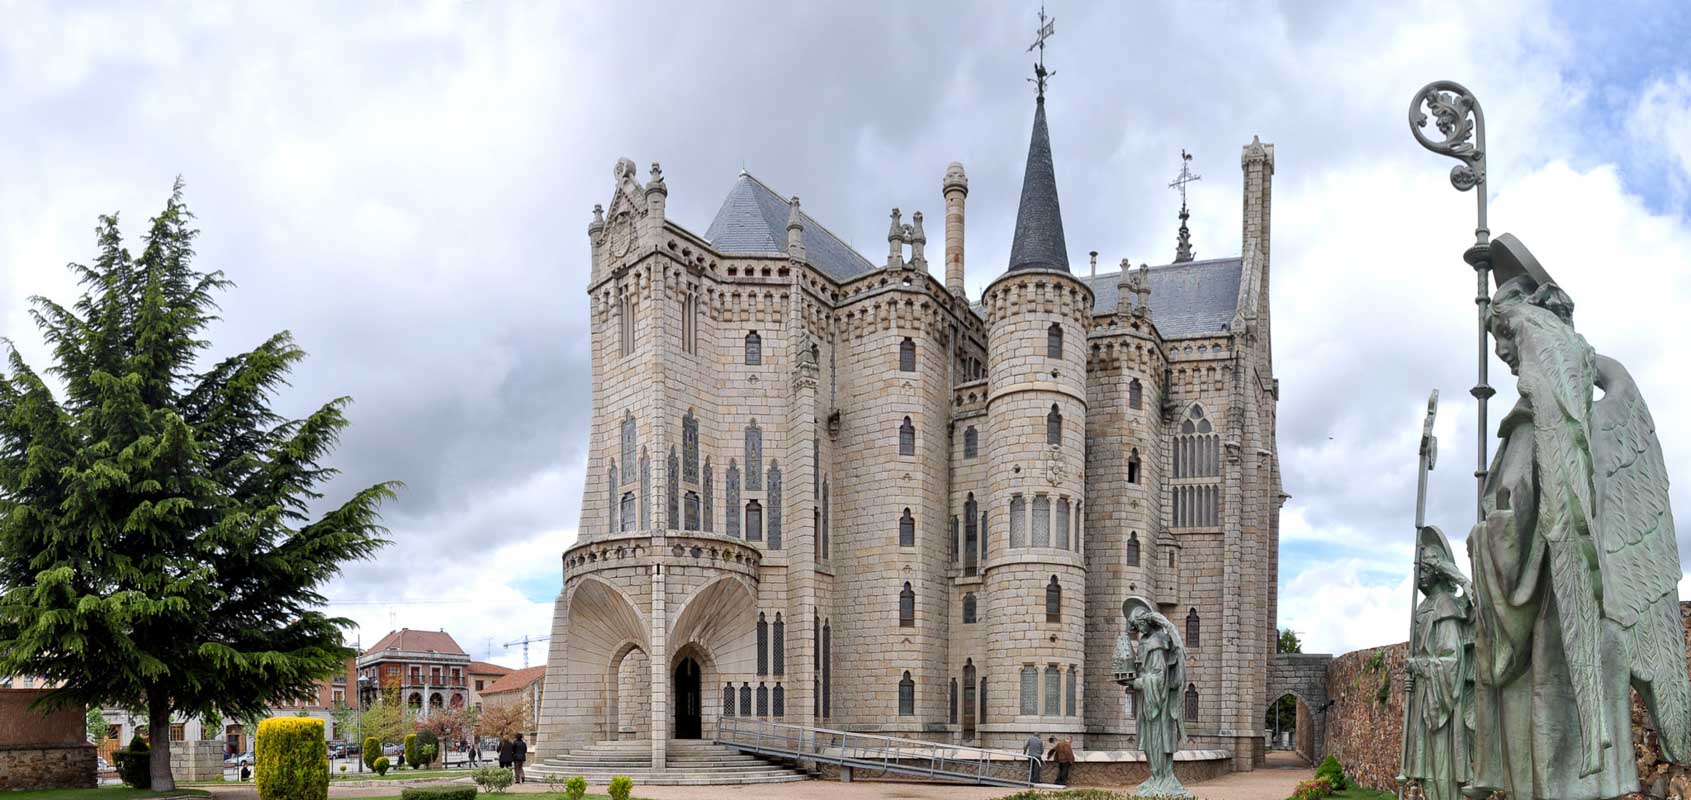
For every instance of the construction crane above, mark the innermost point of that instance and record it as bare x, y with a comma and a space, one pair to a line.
525, 641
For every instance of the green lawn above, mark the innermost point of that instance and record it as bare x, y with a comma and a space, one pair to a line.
103, 793
1068, 794
510, 795
400, 775
1359, 793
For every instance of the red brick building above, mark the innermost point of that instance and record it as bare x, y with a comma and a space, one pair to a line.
427, 668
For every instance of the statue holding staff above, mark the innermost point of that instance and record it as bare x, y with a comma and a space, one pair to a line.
1437, 750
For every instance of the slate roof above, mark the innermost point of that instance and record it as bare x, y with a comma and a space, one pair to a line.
418, 641
518, 680
1191, 298
1038, 243
753, 221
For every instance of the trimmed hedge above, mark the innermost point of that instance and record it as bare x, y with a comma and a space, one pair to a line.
425, 740
621, 787
381, 766
134, 764
438, 793
372, 751
413, 753
291, 759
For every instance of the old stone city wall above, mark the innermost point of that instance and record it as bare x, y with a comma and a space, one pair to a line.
1365, 722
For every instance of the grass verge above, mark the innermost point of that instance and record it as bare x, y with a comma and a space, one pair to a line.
1359, 793
102, 793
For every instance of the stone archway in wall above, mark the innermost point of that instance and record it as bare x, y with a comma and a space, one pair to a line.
1302, 676
605, 629
717, 628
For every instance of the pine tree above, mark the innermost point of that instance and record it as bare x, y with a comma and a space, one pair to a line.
157, 543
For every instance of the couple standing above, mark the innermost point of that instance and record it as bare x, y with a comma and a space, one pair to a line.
512, 754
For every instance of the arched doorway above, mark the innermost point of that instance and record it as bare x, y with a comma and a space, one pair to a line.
689, 700
1288, 729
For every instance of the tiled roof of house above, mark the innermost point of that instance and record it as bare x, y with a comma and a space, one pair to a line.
485, 668
1188, 299
516, 681
753, 221
418, 641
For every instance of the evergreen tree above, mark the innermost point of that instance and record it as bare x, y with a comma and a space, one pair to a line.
157, 545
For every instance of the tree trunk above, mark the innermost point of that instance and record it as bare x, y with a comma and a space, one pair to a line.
158, 722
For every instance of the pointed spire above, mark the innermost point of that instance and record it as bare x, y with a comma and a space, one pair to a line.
1183, 246
1039, 240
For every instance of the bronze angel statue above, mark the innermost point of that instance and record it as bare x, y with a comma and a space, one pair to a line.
1154, 665
1575, 565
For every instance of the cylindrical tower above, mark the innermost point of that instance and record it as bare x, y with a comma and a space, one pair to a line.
955, 188
1035, 577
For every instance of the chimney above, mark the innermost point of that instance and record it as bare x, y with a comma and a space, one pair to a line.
955, 188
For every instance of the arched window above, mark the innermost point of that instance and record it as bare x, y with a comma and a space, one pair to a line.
984, 536
907, 438
907, 607
1192, 628
762, 644
762, 699
625, 304
971, 442
907, 530
1054, 426
775, 505
672, 503
689, 323
1041, 521
754, 457
630, 444
1197, 455
690, 511
956, 546
1053, 690
754, 521
1069, 696
690, 448
907, 355
708, 502
780, 701
1054, 341
1018, 521
628, 513
754, 349
827, 669
611, 499
728, 699
645, 490
970, 712
1053, 601
1191, 702
745, 699
1133, 549
778, 651
731, 503
969, 605
1133, 466
1135, 394
971, 542
1029, 705
906, 695
952, 716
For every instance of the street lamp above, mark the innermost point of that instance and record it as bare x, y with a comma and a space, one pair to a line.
364, 691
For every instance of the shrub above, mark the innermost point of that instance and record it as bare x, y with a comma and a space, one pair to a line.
1333, 772
494, 779
428, 754
438, 793
413, 753
372, 751
291, 759
134, 764
575, 788
621, 786
343, 768
428, 746
1313, 789
380, 765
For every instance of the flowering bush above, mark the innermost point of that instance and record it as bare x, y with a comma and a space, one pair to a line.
1313, 789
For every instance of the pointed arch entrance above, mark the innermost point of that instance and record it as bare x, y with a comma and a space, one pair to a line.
689, 699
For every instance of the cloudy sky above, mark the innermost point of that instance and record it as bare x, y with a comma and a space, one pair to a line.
406, 187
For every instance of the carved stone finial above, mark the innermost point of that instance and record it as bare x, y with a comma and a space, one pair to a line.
656, 183
895, 241
896, 231
794, 219
795, 229
598, 218
916, 230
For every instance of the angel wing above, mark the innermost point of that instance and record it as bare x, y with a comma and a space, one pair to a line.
1639, 556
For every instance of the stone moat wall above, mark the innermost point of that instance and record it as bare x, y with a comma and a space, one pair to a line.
42, 750
1365, 723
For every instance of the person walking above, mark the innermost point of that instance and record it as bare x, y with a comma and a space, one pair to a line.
1063, 754
519, 754
1036, 753
504, 753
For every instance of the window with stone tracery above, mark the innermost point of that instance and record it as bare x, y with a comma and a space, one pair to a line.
630, 444
1135, 394
690, 448
971, 540
754, 457
762, 699
709, 498
971, 442
731, 502
1197, 470
754, 349
778, 650
1192, 629
1029, 705
775, 505
1191, 702
611, 499
762, 644
673, 501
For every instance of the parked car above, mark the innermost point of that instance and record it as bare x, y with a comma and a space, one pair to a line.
392, 749
338, 750
242, 760
100, 764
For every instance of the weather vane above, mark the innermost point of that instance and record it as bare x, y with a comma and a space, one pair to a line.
1457, 115
1183, 244
1047, 27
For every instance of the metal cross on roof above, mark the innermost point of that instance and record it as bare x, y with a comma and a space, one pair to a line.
1047, 28
1186, 176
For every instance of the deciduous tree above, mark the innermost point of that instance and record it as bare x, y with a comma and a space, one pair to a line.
159, 542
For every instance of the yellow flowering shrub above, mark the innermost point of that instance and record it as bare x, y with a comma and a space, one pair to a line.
291, 759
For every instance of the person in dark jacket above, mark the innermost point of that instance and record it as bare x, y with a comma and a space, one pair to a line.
519, 754
504, 753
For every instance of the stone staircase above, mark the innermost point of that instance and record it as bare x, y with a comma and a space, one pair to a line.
690, 763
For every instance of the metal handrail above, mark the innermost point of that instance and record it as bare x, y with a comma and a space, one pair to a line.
885, 755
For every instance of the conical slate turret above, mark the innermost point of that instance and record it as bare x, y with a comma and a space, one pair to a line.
1039, 220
